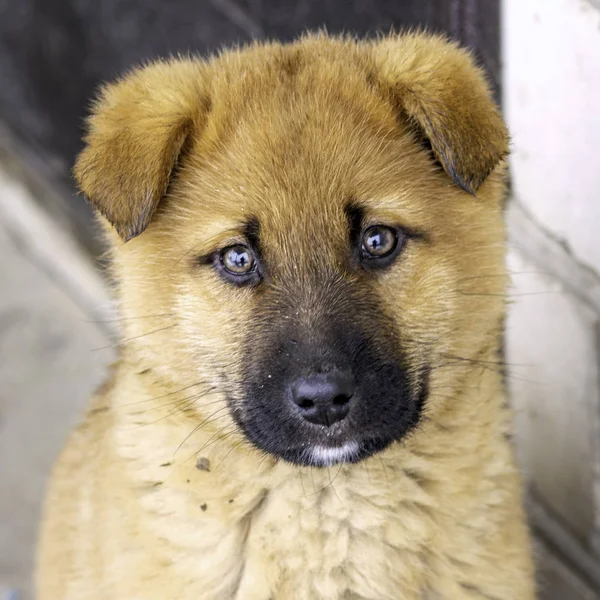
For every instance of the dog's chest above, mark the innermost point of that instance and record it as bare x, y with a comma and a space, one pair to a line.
337, 542
313, 535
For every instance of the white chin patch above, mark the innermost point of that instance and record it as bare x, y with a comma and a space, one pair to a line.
326, 457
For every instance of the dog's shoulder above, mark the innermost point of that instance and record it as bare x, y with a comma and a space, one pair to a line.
75, 483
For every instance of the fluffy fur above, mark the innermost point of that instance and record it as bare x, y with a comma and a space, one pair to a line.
163, 492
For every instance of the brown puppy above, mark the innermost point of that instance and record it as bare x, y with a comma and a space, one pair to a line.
309, 400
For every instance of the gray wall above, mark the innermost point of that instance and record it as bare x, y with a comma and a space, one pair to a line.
54, 54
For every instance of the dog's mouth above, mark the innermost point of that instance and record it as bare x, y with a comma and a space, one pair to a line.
318, 455
337, 403
361, 435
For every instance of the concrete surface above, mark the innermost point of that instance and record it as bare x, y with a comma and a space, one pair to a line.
544, 320
48, 367
551, 95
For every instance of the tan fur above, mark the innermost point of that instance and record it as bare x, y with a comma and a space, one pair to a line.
158, 495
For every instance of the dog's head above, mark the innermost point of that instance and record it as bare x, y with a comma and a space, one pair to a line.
311, 230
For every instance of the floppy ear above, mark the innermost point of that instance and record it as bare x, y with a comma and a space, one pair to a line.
437, 85
135, 134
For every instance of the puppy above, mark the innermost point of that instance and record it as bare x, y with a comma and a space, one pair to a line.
309, 246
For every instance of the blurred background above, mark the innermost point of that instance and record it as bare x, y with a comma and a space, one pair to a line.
57, 327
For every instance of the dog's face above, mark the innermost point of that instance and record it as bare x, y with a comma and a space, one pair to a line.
308, 248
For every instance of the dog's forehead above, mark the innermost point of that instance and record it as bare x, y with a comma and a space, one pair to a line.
302, 127
292, 153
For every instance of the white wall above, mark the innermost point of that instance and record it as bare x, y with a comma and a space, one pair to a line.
552, 105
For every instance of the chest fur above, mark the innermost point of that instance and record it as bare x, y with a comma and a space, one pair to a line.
361, 532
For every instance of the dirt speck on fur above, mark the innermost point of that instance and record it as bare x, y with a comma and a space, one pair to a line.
203, 464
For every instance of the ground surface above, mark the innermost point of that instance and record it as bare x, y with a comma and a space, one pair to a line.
49, 364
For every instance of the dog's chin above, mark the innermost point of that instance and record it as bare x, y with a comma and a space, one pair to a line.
317, 455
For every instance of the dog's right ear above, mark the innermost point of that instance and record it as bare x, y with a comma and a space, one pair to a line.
136, 132
438, 87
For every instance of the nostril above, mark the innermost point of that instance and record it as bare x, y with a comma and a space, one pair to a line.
305, 403
323, 398
341, 400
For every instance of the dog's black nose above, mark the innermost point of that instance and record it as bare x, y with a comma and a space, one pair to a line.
323, 398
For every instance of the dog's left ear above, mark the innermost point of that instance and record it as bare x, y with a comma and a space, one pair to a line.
136, 133
439, 88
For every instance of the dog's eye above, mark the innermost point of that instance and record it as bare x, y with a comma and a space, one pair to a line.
380, 245
238, 260
379, 241
238, 264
